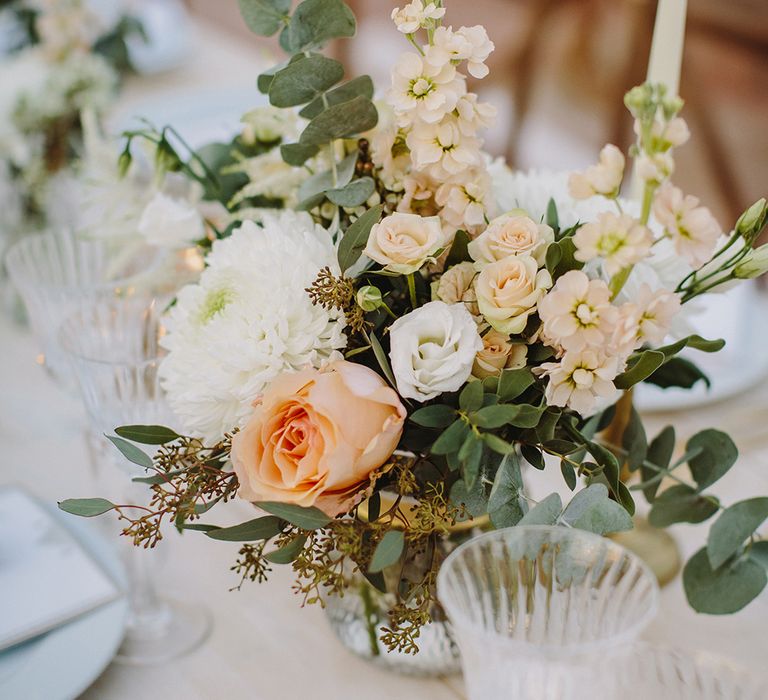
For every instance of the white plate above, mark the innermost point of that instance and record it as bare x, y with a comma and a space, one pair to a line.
61, 664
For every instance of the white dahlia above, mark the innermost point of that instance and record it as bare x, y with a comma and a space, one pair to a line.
248, 319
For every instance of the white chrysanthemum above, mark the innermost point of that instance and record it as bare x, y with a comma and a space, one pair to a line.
248, 319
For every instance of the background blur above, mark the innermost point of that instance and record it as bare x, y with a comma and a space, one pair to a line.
561, 68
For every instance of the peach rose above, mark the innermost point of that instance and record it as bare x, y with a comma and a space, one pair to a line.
498, 353
511, 234
316, 435
405, 242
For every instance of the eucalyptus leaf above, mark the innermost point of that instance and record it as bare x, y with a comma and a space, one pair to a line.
497, 444
297, 154
287, 553
475, 499
546, 512
147, 434
360, 86
758, 552
451, 439
732, 528
569, 474
719, 454
660, 454
387, 551
86, 507
506, 507
341, 121
353, 194
678, 372
306, 518
320, 182
316, 21
681, 504
355, 238
458, 252
381, 358
533, 456
302, 81
725, 590
263, 528
634, 441
583, 500
514, 382
692, 341
264, 17
131, 452
643, 367
470, 454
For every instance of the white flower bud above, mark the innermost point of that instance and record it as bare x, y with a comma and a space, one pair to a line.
754, 264
752, 221
369, 298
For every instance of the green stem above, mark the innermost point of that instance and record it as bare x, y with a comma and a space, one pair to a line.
620, 278
371, 617
412, 289
411, 38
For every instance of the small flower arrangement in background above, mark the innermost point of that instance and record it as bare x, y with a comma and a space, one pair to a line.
65, 63
392, 327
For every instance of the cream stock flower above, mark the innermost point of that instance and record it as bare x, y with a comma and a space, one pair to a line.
511, 234
604, 178
481, 48
498, 353
466, 200
508, 291
474, 115
693, 229
578, 313
315, 436
442, 149
579, 379
423, 91
657, 310
456, 286
655, 168
419, 195
469, 44
432, 350
617, 239
416, 15
404, 242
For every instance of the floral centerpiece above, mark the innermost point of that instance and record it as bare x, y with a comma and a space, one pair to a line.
64, 64
391, 326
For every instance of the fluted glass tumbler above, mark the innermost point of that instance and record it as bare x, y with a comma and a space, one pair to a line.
54, 272
113, 348
545, 613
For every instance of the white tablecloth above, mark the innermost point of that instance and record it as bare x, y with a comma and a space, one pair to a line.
264, 646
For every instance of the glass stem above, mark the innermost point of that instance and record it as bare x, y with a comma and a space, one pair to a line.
149, 616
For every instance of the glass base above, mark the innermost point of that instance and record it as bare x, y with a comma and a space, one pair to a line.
655, 547
175, 629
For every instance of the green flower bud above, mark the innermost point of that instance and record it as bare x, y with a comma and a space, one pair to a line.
639, 100
369, 298
166, 159
124, 162
753, 265
752, 221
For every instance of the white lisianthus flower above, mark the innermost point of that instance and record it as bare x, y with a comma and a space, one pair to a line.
508, 291
474, 115
442, 150
498, 353
169, 222
604, 178
481, 48
456, 286
403, 243
617, 239
693, 229
423, 91
579, 379
578, 313
511, 234
467, 201
416, 15
268, 124
247, 320
432, 350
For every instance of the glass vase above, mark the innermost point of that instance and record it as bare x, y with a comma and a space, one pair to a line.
550, 613
358, 616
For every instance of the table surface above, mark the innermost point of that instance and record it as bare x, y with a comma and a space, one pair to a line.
264, 646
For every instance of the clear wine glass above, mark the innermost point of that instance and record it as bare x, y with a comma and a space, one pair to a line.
113, 348
55, 271
545, 612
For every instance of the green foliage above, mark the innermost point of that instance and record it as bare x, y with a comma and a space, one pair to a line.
659, 454
264, 17
86, 507
506, 506
471, 397
147, 434
388, 551
513, 382
435, 416
734, 525
591, 509
288, 552
634, 441
303, 81
131, 452
316, 21
357, 87
552, 218
718, 454
263, 528
306, 518
297, 154
341, 121
451, 439
681, 504
352, 194
355, 237
640, 367
381, 358
677, 372
724, 590
561, 258
546, 512
459, 252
